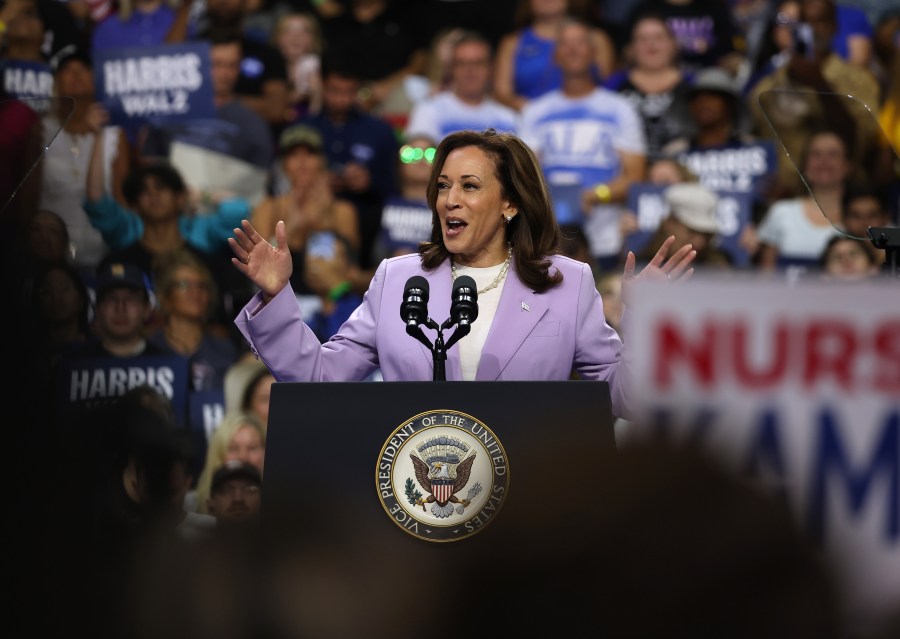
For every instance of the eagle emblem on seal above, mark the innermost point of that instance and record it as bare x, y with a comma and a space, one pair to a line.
442, 467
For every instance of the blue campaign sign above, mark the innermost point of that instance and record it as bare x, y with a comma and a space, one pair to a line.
163, 83
90, 383
31, 82
737, 167
734, 210
405, 223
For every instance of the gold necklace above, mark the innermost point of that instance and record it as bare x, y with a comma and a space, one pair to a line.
502, 274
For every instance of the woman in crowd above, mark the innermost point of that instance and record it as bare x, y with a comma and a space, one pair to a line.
493, 221
187, 297
795, 231
309, 204
239, 436
654, 83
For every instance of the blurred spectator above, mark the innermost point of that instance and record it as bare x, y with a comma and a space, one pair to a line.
589, 137
68, 129
705, 31
236, 131
298, 37
692, 220
328, 271
468, 104
235, 494
654, 83
786, 100
309, 204
574, 243
47, 238
248, 387
776, 45
406, 219
526, 66
847, 259
853, 39
187, 298
60, 30
240, 436
136, 23
59, 318
23, 66
390, 28
864, 207
360, 150
794, 231
122, 309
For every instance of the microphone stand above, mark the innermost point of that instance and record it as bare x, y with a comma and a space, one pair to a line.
439, 348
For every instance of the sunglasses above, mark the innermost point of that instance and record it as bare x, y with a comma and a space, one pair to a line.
410, 154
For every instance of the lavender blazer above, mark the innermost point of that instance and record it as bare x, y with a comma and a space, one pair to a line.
533, 337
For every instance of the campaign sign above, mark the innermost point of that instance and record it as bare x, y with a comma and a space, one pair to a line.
405, 223
795, 388
742, 168
163, 83
31, 82
91, 383
733, 212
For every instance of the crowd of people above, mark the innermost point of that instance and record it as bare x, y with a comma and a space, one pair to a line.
742, 136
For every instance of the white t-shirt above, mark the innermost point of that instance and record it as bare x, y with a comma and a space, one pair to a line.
444, 113
787, 228
578, 141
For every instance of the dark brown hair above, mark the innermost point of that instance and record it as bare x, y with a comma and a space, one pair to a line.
533, 232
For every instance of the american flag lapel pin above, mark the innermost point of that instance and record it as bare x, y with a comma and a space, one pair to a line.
525, 307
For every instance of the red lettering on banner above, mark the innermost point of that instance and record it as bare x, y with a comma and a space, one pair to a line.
830, 350
887, 358
674, 352
770, 372
762, 357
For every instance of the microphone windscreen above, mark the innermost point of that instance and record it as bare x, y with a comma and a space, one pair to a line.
464, 281
419, 282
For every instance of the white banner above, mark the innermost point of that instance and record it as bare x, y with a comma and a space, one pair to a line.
796, 387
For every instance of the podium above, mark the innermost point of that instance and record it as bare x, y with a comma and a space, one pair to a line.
362, 543
332, 469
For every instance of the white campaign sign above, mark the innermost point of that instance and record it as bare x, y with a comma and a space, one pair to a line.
797, 387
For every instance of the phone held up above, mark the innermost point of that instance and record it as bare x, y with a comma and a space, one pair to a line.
321, 244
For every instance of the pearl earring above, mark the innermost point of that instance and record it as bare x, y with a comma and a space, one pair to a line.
508, 219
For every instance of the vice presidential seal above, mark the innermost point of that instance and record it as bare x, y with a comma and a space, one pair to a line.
442, 476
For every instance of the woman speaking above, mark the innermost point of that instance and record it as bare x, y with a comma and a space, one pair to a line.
539, 317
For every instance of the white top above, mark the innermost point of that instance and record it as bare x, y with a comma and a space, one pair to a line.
471, 345
63, 185
787, 228
444, 113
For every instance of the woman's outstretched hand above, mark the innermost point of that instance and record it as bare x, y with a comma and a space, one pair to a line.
661, 267
267, 266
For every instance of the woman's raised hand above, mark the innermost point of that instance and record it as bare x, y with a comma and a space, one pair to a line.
661, 267
267, 266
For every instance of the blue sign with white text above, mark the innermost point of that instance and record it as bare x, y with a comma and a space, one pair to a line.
164, 83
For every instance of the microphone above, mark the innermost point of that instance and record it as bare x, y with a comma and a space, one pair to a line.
414, 309
464, 304
463, 308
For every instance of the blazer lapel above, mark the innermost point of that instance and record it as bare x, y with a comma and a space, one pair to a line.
518, 312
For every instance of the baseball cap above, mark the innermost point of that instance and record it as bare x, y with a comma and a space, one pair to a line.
235, 469
300, 135
68, 54
715, 80
693, 205
121, 275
